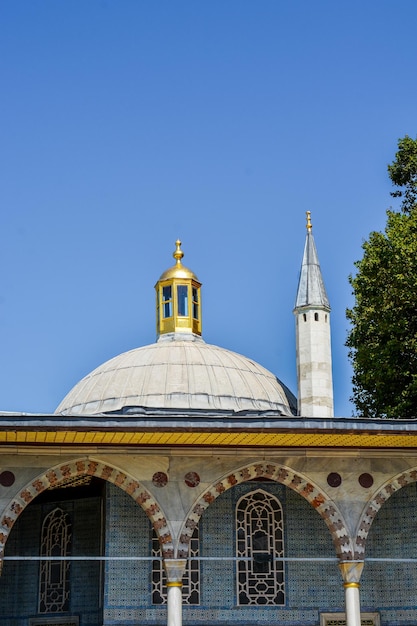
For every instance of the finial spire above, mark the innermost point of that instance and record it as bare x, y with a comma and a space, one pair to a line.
309, 224
178, 254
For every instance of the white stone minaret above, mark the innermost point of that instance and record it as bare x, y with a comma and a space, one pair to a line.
314, 354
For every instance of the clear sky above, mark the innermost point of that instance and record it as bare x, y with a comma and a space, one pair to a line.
126, 124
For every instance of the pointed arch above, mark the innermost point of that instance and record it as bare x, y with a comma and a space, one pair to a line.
375, 503
87, 466
324, 506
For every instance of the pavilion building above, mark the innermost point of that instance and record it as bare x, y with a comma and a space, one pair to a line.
181, 482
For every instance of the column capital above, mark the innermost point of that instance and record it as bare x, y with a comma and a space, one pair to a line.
174, 569
351, 572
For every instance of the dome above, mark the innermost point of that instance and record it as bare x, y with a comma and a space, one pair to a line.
180, 372
178, 270
182, 375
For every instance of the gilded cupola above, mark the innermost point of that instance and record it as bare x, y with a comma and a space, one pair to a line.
178, 299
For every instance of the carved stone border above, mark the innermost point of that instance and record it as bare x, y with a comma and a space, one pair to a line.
54, 621
325, 507
86, 466
373, 506
339, 619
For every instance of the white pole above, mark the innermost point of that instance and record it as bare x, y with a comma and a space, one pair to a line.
352, 604
174, 570
174, 604
351, 572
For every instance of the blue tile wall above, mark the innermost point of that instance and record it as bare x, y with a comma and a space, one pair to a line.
127, 590
305, 535
391, 587
19, 582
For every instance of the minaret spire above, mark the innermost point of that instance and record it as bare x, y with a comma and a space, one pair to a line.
314, 358
311, 289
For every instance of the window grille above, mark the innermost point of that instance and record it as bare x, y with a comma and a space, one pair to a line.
54, 575
191, 578
260, 574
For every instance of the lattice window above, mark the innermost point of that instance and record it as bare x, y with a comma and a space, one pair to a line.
191, 578
54, 580
260, 541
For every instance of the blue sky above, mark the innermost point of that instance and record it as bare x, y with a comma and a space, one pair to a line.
127, 124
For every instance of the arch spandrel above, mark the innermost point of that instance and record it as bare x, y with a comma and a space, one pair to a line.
86, 466
320, 501
376, 501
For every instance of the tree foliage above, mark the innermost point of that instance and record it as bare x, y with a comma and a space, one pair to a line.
403, 173
383, 337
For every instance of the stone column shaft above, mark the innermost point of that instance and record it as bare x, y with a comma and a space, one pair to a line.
351, 572
174, 569
352, 604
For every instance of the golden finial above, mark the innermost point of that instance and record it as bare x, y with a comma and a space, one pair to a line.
178, 254
309, 224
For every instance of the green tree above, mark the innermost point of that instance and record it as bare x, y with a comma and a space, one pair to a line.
403, 173
382, 341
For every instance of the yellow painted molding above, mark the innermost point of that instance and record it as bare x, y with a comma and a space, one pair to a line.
250, 439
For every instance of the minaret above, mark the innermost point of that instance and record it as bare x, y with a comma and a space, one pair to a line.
314, 355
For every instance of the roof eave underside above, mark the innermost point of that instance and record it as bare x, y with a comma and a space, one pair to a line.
206, 424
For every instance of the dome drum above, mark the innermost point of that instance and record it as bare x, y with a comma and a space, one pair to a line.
178, 306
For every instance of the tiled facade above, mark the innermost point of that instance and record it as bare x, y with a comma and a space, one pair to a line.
393, 535
123, 587
127, 583
19, 582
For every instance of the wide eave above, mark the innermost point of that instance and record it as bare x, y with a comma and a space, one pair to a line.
205, 431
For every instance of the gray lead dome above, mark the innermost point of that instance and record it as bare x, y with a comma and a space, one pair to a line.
177, 374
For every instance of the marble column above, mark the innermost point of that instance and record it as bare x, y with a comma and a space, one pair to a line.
351, 572
174, 569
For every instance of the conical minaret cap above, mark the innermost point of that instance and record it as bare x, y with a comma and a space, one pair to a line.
311, 290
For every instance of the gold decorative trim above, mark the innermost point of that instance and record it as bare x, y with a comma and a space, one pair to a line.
351, 585
176, 437
174, 584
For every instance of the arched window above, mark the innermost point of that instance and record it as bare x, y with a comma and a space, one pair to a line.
259, 548
316, 317
54, 575
191, 578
